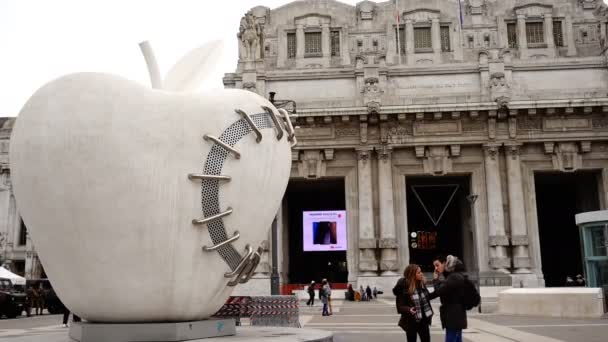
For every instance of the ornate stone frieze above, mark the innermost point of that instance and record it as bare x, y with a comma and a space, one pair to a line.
367, 243
444, 127
473, 126
397, 133
600, 122
520, 240
366, 10
567, 124
347, 131
588, 4
527, 123
500, 263
498, 240
522, 262
388, 243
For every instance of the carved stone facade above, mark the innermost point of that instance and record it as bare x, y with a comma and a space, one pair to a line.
523, 93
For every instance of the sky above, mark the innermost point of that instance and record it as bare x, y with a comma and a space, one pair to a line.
42, 40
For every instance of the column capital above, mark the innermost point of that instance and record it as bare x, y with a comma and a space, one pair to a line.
435, 20
513, 149
384, 154
409, 21
363, 154
521, 16
491, 150
548, 15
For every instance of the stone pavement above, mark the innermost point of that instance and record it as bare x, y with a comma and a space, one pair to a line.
377, 321
371, 321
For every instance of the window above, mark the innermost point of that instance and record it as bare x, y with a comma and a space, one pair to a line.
512, 35
422, 38
312, 43
291, 45
401, 42
22, 234
558, 36
535, 33
445, 38
335, 43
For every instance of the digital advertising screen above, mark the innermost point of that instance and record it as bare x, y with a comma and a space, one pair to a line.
324, 230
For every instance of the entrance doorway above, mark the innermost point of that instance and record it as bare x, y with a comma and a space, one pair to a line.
319, 259
437, 213
558, 198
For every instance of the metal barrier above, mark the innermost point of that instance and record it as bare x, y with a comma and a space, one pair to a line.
274, 311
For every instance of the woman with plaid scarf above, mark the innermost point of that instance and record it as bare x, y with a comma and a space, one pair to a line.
414, 304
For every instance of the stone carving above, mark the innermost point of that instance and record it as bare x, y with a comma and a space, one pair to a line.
251, 36
473, 126
503, 106
250, 86
565, 156
588, 4
363, 155
372, 94
346, 131
476, 7
600, 122
398, 133
500, 89
312, 164
437, 160
529, 123
366, 10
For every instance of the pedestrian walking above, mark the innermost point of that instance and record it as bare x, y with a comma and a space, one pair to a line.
368, 292
311, 294
29, 300
38, 296
362, 292
451, 291
375, 292
413, 302
328, 293
323, 293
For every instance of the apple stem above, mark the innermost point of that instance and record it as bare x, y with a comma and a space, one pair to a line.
148, 52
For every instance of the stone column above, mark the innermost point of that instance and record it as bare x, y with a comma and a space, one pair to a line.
409, 41
570, 36
299, 41
326, 44
436, 39
517, 211
344, 46
282, 47
548, 19
496, 222
388, 234
522, 41
367, 241
391, 43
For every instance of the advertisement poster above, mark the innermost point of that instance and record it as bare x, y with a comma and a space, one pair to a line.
324, 230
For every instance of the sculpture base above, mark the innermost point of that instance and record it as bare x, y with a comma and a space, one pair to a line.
149, 332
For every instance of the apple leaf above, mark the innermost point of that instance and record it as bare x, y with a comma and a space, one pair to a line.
187, 74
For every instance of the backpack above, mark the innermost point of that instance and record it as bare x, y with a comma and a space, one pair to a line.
471, 297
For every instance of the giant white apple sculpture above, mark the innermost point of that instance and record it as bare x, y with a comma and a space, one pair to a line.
147, 205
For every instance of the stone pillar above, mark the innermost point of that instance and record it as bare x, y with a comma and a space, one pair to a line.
391, 43
570, 36
522, 41
326, 44
517, 211
388, 234
496, 222
299, 41
281, 48
344, 46
436, 39
368, 265
409, 41
548, 19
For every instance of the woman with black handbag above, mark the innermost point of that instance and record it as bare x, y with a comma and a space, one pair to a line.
413, 302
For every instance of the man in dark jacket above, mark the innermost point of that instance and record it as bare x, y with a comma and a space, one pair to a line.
451, 292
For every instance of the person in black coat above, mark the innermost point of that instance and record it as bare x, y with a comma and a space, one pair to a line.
413, 302
311, 294
451, 291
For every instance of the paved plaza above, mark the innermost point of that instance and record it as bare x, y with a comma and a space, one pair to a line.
369, 321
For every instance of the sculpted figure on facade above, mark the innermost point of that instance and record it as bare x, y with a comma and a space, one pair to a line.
250, 35
476, 7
